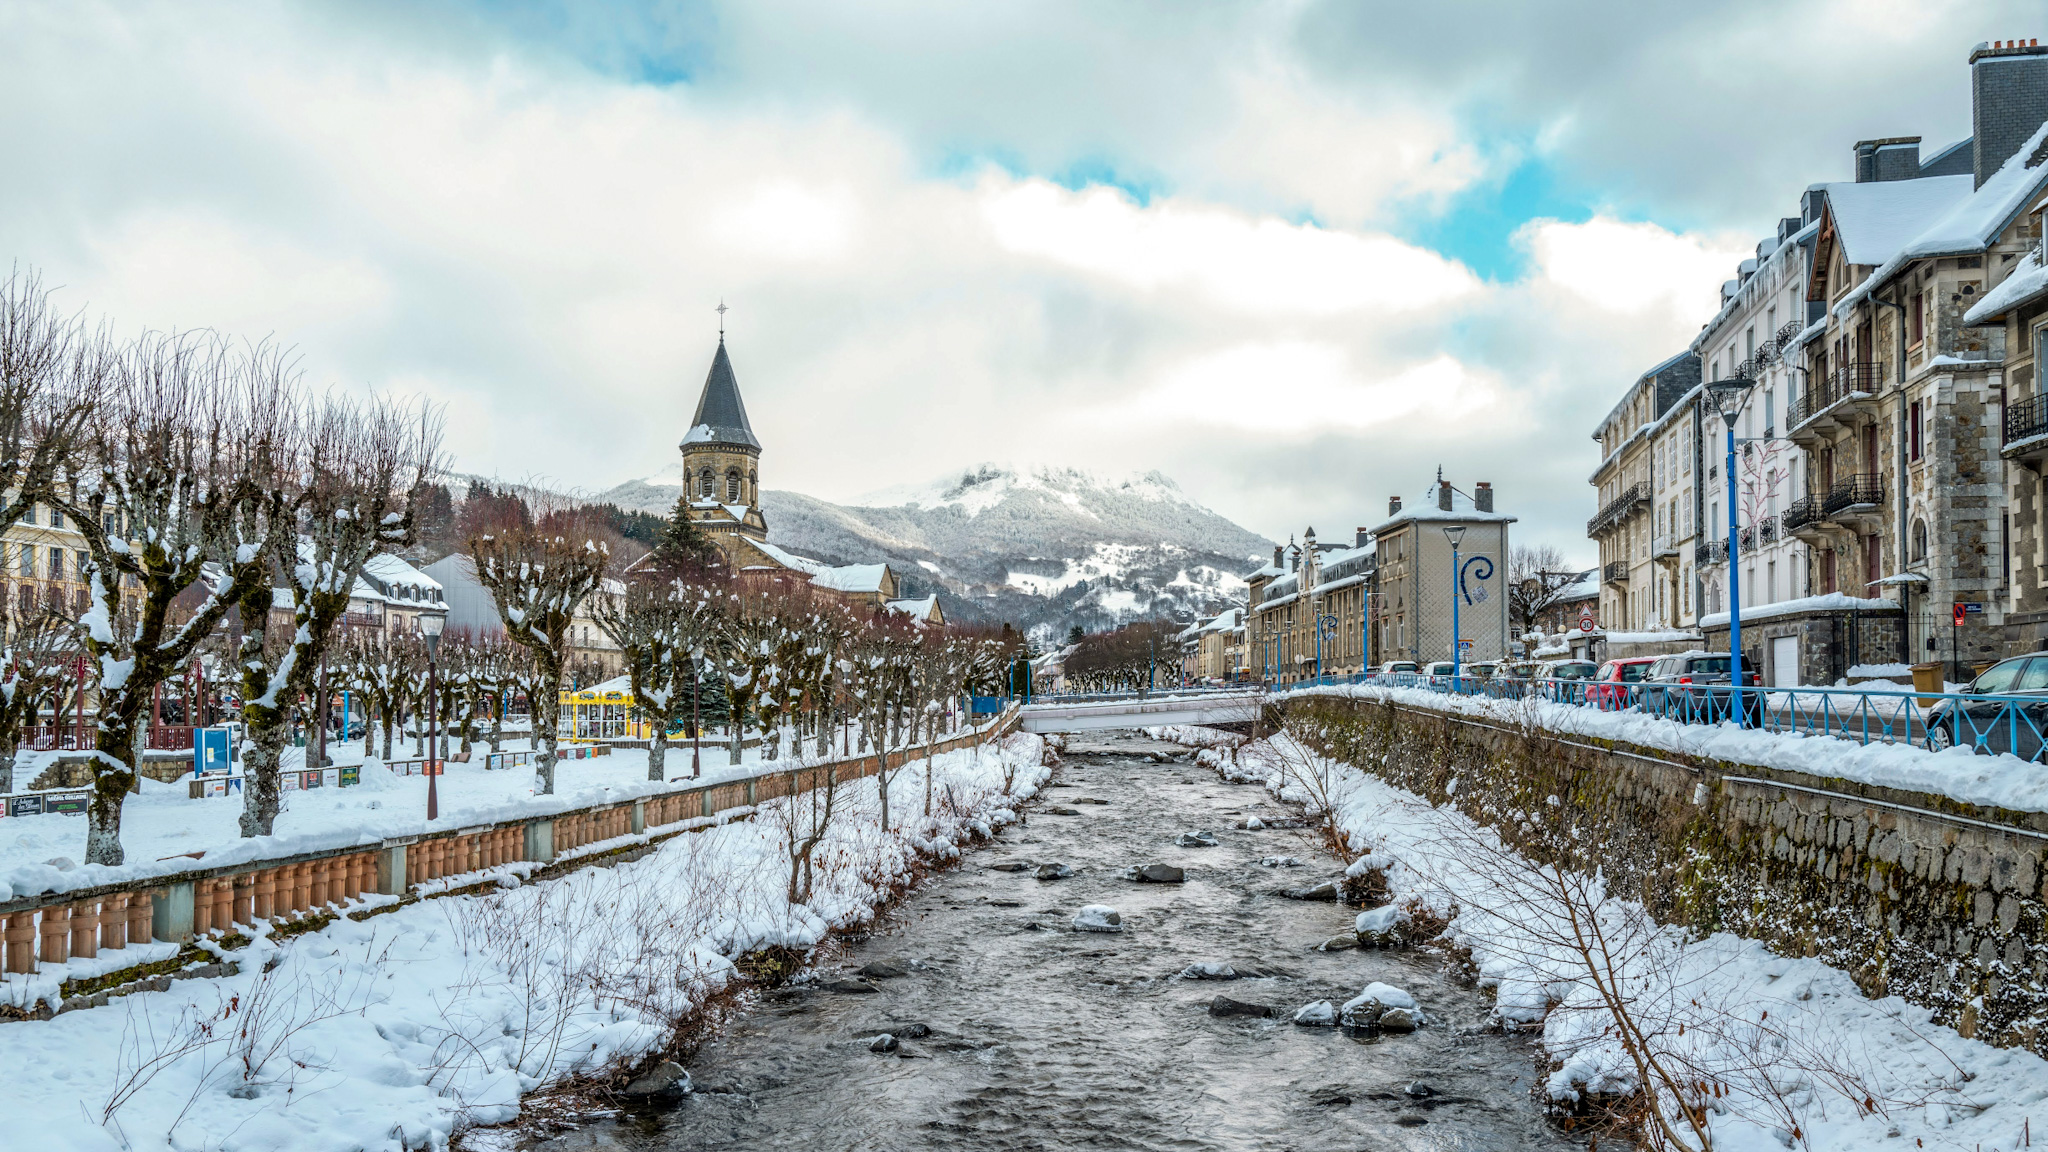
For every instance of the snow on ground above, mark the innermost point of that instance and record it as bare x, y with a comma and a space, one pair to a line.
1793, 1042
396, 1031
2001, 780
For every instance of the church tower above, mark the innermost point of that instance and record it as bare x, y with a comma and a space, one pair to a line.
721, 464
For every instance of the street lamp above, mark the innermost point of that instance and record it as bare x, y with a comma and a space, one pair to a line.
430, 631
1324, 623
1729, 396
1454, 533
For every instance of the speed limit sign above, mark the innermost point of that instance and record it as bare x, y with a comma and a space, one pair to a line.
1585, 621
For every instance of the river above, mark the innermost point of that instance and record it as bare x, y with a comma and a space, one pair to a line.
1017, 1032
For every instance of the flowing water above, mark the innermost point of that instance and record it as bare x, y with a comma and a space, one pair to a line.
1036, 1036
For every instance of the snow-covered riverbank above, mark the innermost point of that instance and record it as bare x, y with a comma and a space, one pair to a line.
395, 1031
1793, 1053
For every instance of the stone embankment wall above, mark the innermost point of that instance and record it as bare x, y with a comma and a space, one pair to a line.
1914, 895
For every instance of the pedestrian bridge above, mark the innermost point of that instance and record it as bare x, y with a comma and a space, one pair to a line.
1143, 711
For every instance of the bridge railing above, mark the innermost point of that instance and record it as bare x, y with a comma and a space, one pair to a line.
2011, 723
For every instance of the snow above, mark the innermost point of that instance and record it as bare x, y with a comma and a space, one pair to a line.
980, 487
1661, 636
2027, 280
391, 570
399, 1030
1878, 670
1462, 509
1931, 1087
2001, 780
1826, 602
844, 578
1098, 918
1874, 220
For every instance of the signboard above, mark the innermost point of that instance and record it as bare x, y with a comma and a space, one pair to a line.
70, 803
351, 775
1585, 621
24, 805
213, 752
1963, 609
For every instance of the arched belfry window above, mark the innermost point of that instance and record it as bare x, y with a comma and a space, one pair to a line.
704, 488
732, 486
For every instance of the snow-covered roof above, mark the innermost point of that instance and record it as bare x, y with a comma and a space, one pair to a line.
1874, 220
1971, 223
842, 578
2026, 283
392, 571
1826, 602
615, 684
918, 609
1583, 590
1425, 509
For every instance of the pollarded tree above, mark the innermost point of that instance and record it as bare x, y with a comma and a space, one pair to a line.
382, 670
155, 490
539, 576
35, 669
341, 487
659, 625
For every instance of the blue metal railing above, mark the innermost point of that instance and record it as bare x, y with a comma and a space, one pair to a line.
2015, 724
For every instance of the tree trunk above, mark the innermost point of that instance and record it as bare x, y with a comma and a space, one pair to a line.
7, 754
497, 725
115, 742
419, 734
544, 723
657, 752
263, 752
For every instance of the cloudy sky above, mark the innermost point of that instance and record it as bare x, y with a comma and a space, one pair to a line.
1295, 255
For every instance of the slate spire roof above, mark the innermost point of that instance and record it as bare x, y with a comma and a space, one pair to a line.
721, 416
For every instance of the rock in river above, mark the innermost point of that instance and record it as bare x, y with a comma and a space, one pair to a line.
848, 985
1196, 840
1381, 926
1278, 862
1225, 1006
882, 1043
665, 1078
1059, 811
1011, 866
1208, 970
1370, 1007
1319, 1014
1156, 874
1098, 918
1054, 871
1400, 1020
1327, 890
884, 969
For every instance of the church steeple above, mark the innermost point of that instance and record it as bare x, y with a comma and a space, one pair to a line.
721, 415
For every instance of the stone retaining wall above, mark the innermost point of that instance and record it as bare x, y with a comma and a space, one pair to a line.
1915, 895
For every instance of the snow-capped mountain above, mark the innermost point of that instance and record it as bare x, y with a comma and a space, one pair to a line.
1044, 547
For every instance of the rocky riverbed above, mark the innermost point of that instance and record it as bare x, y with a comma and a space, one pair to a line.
1102, 977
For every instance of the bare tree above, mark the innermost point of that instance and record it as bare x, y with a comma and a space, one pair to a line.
1537, 576
52, 377
34, 669
658, 625
538, 577
164, 469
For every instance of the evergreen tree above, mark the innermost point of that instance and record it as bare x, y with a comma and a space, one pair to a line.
682, 546
1075, 635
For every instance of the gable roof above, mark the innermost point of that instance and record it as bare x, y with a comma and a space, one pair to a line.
721, 416
1873, 220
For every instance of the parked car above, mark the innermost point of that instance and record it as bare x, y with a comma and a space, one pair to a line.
1484, 669
1437, 668
1613, 685
2013, 726
1391, 667
1566, 670
1694, 687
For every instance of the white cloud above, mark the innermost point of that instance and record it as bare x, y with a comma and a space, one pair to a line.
1249, 264
1635, 268
1293, 388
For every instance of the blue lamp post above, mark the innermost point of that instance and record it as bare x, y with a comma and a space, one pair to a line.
1454, 533
1324, 623
1729, 396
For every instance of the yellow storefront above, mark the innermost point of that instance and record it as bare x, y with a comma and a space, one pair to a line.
601, 712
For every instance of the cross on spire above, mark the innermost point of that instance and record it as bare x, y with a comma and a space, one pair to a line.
721, 319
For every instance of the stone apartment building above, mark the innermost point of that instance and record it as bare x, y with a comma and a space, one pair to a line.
1212, 648
1414, 583
1647, 483
1307, 583
43, 557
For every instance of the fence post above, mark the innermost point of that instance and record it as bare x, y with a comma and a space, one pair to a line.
391, 870
170, 916
750, 790
639, 816
540, 841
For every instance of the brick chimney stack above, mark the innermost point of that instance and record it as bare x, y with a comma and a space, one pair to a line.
2008, 100
1443, 495
1393, 505
1278, 557
1482, 496
1361, 537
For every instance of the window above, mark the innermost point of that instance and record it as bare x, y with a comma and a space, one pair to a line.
1770, 411
81, 558
56, 563
28, 559
2000, 677
704, 487
56, 518
732, 486
1916, 430
1749, 343
1919, 317
27, 599
1919, 541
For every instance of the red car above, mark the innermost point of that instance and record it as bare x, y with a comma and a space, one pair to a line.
1613, 687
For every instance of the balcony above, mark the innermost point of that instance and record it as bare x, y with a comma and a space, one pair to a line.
1854, 497
1709, 552
1746, 536
1619, 509
1804, 517
1767, 531
1616, 572
1847, 391
2026, 431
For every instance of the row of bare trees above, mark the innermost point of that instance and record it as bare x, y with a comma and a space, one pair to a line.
1126, 659
202, 475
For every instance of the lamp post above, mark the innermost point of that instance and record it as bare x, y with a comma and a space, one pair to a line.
1454, 533
1324, 623
1729, 396
430, 631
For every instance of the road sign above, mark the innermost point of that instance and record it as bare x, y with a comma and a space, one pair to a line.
1962, 609
1585, 621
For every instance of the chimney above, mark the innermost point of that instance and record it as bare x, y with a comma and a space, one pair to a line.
1361, 537
1393, 505
1277, 557
1891, 158
1443, 495
2008, 100
1482, 496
